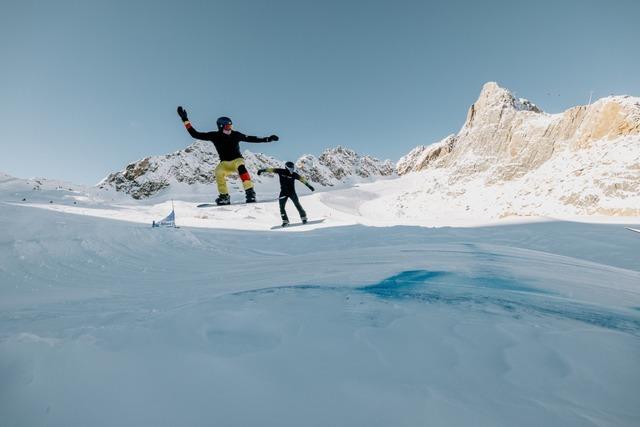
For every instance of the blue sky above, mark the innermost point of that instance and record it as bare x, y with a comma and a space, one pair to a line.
88, 87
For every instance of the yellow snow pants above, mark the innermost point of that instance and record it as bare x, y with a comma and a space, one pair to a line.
228, 167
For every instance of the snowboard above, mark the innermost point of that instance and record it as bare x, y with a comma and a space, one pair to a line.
210, 205
298, 224
214, 205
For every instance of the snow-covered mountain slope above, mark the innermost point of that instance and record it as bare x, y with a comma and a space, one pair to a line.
342, 165
107, 323
195, 164
381, 203
52, 191
510, 158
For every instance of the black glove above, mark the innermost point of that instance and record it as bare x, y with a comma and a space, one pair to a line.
272, 138
260, 171
311, 188
183, 114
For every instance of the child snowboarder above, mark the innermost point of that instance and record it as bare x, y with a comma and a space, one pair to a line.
226, 141
288, 175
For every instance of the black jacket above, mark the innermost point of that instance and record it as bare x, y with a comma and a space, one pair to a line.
228, 146
287, 179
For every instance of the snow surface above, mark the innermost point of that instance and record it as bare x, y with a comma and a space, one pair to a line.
375, 317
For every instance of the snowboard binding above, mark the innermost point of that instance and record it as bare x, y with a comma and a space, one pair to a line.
223, 199
251, 195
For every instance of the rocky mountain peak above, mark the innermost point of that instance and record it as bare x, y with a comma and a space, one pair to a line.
194, 165
492, 103
507, 141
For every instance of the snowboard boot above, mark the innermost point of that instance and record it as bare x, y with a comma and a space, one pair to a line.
223, 199
251, 195
304, 219
285, 223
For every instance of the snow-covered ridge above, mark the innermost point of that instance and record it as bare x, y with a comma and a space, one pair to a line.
584, 161
53, 192
195, 164
9, 184
342, 165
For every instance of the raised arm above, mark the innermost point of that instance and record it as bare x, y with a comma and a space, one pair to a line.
204, 136
255, 139
270, 170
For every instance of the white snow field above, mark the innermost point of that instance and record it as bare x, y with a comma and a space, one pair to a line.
367, 319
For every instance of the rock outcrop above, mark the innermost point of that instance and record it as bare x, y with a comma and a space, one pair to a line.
586, 158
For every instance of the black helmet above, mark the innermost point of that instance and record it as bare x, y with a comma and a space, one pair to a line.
290, 166
223, 121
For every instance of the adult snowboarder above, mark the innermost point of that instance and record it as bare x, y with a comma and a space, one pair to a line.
226, 140
288, 177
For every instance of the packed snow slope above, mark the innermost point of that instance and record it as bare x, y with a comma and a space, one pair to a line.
511, 158
406, 200
115, 323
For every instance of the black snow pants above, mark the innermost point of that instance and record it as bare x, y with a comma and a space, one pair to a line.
284, 196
